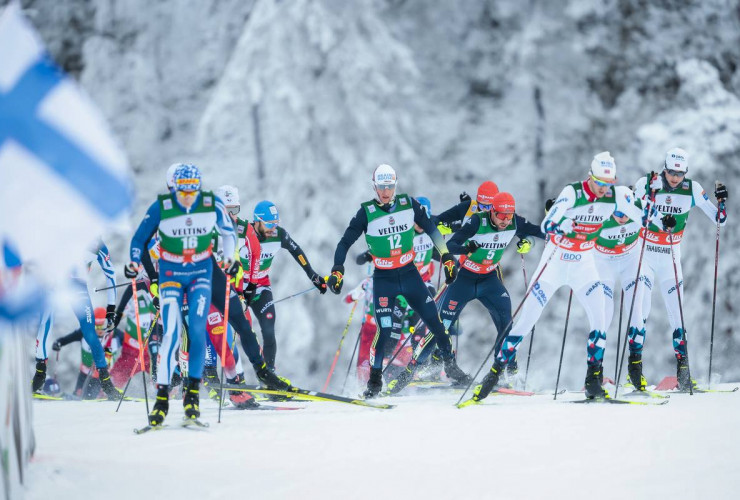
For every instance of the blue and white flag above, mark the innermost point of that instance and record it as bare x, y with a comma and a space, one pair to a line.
63, 178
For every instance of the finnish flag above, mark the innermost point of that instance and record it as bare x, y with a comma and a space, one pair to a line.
63, 178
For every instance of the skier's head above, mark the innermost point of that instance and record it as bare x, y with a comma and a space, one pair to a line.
171, 176
502, 210
266, 218
675, 166
230, 197
100, 321
187, 184
603, 174
484, 197
384, 184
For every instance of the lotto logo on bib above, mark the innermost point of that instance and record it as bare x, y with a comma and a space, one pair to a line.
214, 318
405, 259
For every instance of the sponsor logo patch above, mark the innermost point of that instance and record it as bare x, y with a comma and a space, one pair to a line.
214, 318
167, 204
208, 201
383, 301
385, 322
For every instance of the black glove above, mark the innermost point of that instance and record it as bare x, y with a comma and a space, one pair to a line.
116, 320
232, 266
548, 204
363, 258
335, 280
131, 270
56, 346
464, 197
110, 317
669, 222
318, 282
249, 293
450, 267
472, 246
720, 192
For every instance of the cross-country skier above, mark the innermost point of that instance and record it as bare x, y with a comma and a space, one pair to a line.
185, 221
675, 195
274, 238
481, 243
573, 224
388, 223
83, 309
457, 215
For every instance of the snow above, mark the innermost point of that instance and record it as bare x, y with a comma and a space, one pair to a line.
510, 448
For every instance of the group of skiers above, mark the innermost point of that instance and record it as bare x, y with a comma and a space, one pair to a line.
194, 261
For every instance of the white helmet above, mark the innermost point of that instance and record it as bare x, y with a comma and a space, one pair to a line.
171, 175
604, 168
384, 175
676, 159
229, 195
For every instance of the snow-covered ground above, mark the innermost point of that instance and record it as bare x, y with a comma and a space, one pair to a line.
510, 448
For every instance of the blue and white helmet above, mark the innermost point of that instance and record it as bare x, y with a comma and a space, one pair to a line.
187, 178
424, 202
267, 213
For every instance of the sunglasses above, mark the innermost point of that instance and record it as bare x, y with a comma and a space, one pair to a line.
619, 214
503, 216
187, 194
601, 183
234, 210
269, 225
485, 207
675, 173
385, 187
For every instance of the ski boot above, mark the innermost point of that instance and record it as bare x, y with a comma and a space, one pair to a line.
241, 399
270, 380
191, 399
683, 375
489, 382
374, 383
161, 406
634, 372
454, 372
211, 380
39, 377
402, 380
593, 383
105, 383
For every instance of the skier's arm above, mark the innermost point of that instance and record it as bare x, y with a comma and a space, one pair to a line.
106, 264
564, 202
525, 228
357, 226
453, 214
125, 297
701, 200
291, 246
625, 203
75, 336
144, 232
421, 218
457, 245
226, 228
254, 247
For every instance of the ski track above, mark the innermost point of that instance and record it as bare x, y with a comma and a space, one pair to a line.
509, 448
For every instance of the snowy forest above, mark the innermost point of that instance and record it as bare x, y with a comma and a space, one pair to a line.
297, 101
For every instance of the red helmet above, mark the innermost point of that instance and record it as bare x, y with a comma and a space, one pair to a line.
100, 317
486, 192
504, 203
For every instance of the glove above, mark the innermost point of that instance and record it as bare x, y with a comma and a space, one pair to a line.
720, 192
116, 320
110, 317
567, 226
464, 197
231, 266
472, 246
444, 228
56, 346
335, 280
131, 270
523, 246
319, 283
548, 204
154, 291
669, 222
402, 302
249, 293
450, 267
656, 182
363, 258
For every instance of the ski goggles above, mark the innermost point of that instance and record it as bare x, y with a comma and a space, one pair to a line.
619, 214
385, 187
234, 210
675, 173
503, 216
602, 183
269, 224
485, 207
187, 194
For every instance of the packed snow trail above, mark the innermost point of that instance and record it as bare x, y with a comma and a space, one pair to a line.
508, 448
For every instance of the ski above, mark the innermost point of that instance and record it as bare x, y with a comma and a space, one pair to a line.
504, 391
193, 423
310, 395
619, 402
70, 397
646, 394
704, 391
467, 402
150, 428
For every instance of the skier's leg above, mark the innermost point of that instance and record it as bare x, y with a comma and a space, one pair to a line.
84, 311
171, 294
454, 300
199, 300
42, 334
265, 312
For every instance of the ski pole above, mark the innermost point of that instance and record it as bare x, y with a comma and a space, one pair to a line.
511, 321
619, 336
339, 349
135, 298
637, 283
680, 310
291, 296
714, 296
531, 339
223, 345
133, 369
562, 348
349, 366
115, 286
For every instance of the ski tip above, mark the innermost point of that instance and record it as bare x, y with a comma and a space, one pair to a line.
467, 403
